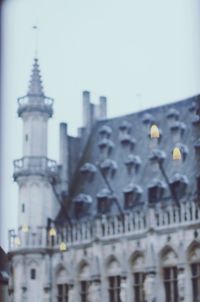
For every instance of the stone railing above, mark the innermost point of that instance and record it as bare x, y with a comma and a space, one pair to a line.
39, 103
105, 227
34, 165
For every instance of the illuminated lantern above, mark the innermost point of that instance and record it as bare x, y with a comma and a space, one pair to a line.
63, 247
176, 154
154, 132
52, 232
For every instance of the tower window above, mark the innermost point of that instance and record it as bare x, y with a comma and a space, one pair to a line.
33, 274
26, 137
23, 207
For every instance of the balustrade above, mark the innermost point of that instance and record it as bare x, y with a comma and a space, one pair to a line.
107, 227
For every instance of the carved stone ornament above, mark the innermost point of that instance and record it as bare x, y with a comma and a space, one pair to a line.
123, 291
94, 294
71, 294
181, 284
150, 288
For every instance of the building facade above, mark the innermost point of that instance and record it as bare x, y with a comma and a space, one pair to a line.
117, 219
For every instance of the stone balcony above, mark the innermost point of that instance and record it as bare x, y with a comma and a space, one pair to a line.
35, 103
35, 165
131, 224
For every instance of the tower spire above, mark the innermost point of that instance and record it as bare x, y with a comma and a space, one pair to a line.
35, 87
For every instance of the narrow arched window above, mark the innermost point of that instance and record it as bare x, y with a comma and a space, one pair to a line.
33, 274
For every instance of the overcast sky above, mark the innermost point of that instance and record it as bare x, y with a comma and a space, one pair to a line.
117, 48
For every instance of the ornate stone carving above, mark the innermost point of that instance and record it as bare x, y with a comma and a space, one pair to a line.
181, 284
71, 295
150, 288
123, 290
94, 294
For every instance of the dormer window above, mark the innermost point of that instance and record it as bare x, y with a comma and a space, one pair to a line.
104, 201
82, 203
106, 146
125, 127
172, 114
179, 184
183, 149
155, 191
105, 131
132, 194
132, 163
157, 155
148, 119
127, 140
108, 167
177, 129
88, 170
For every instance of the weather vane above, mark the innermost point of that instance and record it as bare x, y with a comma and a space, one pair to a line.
35, 28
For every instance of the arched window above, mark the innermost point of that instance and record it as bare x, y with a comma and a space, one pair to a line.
62, 286
84, 277
170, 275
138, 273
194, 259
114, 280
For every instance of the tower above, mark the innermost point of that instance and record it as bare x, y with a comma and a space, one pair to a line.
36, 176
34, 172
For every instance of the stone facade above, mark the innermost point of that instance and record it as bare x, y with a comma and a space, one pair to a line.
116, 220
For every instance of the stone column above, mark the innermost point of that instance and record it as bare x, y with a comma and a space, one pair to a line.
94, 294
123, 290
150, 287
181, 284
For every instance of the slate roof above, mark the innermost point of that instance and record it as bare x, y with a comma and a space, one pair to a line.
178, 125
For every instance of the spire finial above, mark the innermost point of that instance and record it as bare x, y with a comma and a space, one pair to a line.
35, 29
35, 86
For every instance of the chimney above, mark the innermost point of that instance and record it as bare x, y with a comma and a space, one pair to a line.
102, 107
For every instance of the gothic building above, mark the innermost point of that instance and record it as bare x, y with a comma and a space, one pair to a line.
117, 219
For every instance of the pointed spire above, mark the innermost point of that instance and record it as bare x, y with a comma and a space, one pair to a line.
35, 87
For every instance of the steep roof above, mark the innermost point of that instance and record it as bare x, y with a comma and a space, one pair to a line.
116, 144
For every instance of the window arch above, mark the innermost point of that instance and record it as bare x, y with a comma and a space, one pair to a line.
138, 273
84, 279
194, 260
62, 284
114, 279
170, 274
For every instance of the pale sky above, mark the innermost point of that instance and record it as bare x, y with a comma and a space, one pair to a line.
117, 48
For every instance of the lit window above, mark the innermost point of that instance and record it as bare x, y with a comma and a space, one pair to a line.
62, 292
114, 288
195, 268
33, 274
170, 283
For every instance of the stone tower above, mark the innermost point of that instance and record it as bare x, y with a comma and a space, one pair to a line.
36, 176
